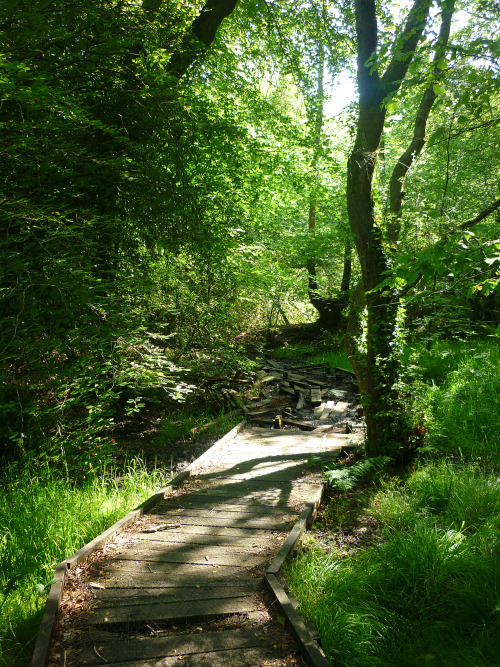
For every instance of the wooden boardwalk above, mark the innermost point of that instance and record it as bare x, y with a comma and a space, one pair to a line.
184, 584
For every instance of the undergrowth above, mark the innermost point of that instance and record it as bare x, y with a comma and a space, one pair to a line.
428, 592
311, 354
44, 519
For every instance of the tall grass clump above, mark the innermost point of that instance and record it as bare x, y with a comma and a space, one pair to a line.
461, 398
331, 354
428, 592
44, 519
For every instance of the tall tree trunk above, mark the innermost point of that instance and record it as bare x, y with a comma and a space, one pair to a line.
329, 310
380, 371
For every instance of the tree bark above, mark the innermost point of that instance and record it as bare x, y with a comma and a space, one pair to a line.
382, 411
329, 310
396, 185
200, 35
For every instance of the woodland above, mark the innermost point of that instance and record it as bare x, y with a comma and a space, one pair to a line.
185, 187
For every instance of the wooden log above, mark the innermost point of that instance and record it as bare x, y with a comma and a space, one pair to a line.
301, 402
300, 386
338, 394
258, 404
303, 426
261, 411
327, 409
315, 395
318, 410
272, 377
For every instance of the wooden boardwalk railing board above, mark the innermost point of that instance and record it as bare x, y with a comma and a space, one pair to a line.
203, 562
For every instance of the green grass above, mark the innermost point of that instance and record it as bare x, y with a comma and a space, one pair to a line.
460, 398
294, 351
314, 354
44, 519
429, 591
178, 426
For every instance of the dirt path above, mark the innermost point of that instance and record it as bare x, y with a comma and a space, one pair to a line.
185, 584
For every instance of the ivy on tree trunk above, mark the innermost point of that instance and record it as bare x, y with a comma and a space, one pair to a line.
379, 370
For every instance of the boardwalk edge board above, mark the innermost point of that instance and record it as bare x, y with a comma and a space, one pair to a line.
311, 651
42, 645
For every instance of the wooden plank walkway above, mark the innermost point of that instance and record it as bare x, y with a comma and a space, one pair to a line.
184, 584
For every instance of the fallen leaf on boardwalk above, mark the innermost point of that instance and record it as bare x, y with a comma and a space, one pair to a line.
96, 585
162, 526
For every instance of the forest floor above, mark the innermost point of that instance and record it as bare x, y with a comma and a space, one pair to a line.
144, 434
350, 535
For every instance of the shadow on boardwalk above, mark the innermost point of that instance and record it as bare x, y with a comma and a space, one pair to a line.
183, 585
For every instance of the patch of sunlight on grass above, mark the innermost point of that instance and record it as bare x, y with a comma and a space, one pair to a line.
429, 589
43, 520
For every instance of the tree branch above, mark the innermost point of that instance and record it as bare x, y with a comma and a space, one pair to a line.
494, 206
404, 163
403, 48
200, 35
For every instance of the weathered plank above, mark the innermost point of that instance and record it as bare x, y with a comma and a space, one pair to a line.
301, 402
327, 409
120, 596
141, 575
246, 521
229, 525
315, 395
196, 555
170, 539
246, 657
307, 379
203, 533
96, 652
271, 377
213, 500
205, 507
340, 407
134, 615
303, 426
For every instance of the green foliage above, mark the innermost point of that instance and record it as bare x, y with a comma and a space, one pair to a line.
459, 398
346, 478
184, 423
444, 495
326, 351
428, 590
